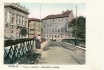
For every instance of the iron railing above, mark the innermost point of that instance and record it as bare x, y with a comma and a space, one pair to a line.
14, 49
72, 41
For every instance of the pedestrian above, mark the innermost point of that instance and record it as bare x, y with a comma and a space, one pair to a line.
38, 40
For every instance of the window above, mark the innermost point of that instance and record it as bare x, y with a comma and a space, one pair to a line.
52, 30
47, 31
25, 23
5, 20
58, 36
5, 14
12, 31
55, 30
62, 30
16, 21
58, 30
12, 20
4, 36
12, 27
6, 25
50, 25
55, 36
52, 36
22, 22
56, 25
16, 16
44, 35
44, 25
61, 36
5, 17
12, 14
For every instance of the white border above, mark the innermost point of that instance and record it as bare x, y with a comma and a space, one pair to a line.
94, 34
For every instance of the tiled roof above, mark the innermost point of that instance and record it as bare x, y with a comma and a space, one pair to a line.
34, 19
64, 14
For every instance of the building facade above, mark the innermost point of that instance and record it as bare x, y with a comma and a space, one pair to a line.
34, 27
15, 18
56, 26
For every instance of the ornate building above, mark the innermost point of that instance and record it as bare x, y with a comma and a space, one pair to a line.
56, 26
34, 27
16, 18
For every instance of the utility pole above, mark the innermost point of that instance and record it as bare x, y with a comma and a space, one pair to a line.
76, 27
40, 23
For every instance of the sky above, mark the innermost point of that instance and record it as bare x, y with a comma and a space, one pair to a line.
41, 10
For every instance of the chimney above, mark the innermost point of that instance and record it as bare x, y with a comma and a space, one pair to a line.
62, 12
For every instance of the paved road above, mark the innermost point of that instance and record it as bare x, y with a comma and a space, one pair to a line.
61, 53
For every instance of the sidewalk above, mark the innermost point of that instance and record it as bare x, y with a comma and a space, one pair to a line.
55, 55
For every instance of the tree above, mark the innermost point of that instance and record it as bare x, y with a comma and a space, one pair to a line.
78, 28
23, 32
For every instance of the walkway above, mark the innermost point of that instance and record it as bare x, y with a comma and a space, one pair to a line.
53, 53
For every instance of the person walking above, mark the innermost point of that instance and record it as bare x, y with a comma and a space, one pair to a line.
38, 44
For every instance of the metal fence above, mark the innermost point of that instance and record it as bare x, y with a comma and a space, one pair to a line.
72, 41
14, 49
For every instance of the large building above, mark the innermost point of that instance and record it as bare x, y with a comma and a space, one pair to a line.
15, 18
34, 27
56, 26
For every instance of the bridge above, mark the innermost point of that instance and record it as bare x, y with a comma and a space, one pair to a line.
23, 51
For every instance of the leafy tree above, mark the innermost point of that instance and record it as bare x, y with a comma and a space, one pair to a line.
78, 28
23, 32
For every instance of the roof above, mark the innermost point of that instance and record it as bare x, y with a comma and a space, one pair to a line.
64, 14
16, 6
34, 19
